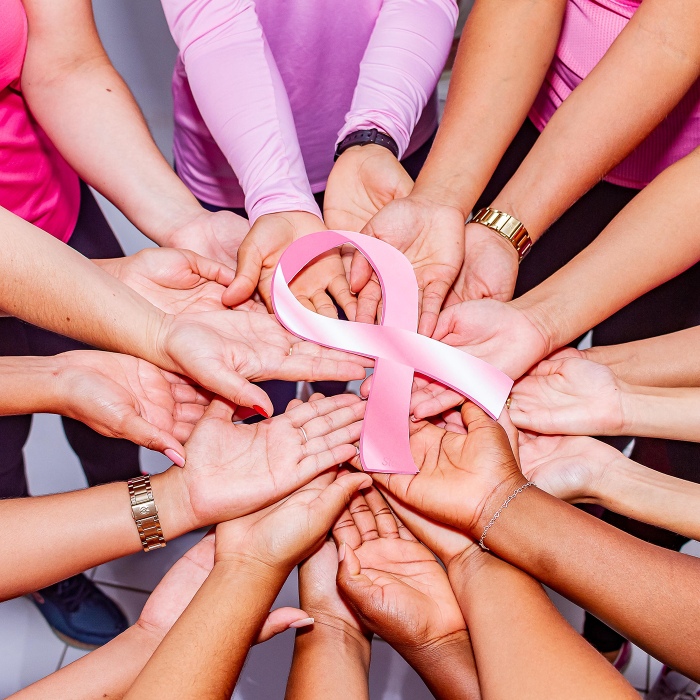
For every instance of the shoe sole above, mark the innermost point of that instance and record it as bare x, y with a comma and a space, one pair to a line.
74, 642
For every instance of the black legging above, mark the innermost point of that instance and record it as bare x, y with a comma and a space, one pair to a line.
668, 308
103, 459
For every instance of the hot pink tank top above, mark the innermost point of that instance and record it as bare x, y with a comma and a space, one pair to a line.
36, 183
590, 27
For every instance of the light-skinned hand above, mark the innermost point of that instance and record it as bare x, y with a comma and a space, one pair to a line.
262, 248
431, 236
362, 181
569, 396
124, 397
393, 582
233, 470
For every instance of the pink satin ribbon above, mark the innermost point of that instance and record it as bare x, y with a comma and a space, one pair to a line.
396, 347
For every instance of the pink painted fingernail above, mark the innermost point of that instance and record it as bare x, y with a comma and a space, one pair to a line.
175, 457
302, 623
341, 552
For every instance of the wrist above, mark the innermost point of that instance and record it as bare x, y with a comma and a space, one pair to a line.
495, 500
173, 216
442, 195
172, 500
337, 633
542, 320
267, 578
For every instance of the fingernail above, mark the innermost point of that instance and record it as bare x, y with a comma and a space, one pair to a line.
341, 552
261, 411
175, 457
357, 451
302, 623
414, 419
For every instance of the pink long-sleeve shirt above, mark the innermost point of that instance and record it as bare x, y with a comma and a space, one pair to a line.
264, 89
589, 29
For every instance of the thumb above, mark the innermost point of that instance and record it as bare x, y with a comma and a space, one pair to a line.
353, 584
236, 389
280, 620
329, 504
247, 276
140, 431
211, 269
360, 272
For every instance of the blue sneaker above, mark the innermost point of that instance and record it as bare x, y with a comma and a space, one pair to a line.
79, 613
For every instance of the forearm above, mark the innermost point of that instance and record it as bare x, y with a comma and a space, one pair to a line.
670, 360
647, 593
448, 669
625, 261
329, 662
525, 648
657, 47
203, 654
503, 56
48, 284
106, 672
28, 385
49, 538
644, 494
89, 113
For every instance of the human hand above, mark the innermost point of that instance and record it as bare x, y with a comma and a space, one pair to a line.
281, 535
226, 350
571, 468
490, 267
569, 396
461, 475
175, 281
501, 334
124, 397
214, 235
362, 181
232, 470
393, 582
177, 588
431, 236
262, 248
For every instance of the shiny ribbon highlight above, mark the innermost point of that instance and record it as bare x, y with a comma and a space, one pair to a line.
395, 346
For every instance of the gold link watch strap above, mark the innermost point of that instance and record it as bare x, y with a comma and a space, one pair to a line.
508, 227
145, 513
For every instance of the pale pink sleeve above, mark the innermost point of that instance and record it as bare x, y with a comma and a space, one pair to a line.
242, 99
401, 67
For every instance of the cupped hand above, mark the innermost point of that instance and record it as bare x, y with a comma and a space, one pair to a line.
175, 281
124, 397
490, 267
431, 236
226, 350
177, 588
262, 248
362, 181
460, 474
233, 470
214, 235
569, 467
569, 396
393, 582
283, 534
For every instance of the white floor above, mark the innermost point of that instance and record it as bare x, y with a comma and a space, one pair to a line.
29, 650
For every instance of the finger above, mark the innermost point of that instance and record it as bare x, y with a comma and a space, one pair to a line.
298, 367
304, 347
344, 436
366, 386
439, 403
280, 620
511, 431
187, 393
238, 390
188, 412
248, 270
182, 432
324, 305
475, 418
363, 517
219, 408
339, 289
317, 396
340, 418
345, 530
386, 524
360, 272
141, 432
306, 412
433, 296
352, 583
368, 299
211, 269
293, 404
316, 464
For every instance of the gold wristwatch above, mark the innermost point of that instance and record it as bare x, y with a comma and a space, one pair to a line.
508, 227
145, 513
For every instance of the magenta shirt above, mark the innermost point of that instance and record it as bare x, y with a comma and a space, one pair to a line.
589, 29
263, 90
36, 183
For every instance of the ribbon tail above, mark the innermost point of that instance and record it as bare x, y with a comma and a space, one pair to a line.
384, 445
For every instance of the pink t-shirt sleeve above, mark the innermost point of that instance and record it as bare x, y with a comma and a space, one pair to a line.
401, 67
242, 99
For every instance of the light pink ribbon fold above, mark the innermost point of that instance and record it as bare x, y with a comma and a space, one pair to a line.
396, 347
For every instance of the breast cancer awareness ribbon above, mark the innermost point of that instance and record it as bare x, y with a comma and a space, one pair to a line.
395, 345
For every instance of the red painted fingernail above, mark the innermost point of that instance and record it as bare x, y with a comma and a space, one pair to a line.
261, 411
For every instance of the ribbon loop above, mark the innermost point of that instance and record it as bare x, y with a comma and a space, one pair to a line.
394, 344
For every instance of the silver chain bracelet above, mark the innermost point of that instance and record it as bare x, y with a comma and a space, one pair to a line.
498, 512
